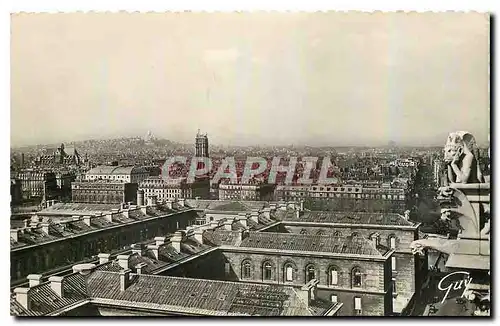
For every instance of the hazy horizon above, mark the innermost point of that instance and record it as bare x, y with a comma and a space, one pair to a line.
317, 79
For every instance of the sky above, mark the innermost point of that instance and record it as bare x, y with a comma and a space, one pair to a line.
314, 79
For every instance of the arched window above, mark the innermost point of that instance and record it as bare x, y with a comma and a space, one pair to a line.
303, 231
267, 271
354, 234
246, 269
333, 276
356, 277
392, 241
320, 232
337, 234
289, 272
310, 273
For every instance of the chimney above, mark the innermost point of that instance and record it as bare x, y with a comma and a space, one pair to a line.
103, 258
243, 221
198, 235
87, 220
272, 206
35, 218
22, 296
308, 291
168, 203
254, 215
14, 234
138, 248
109, 217
144, 210
228, 225
26, 223
140, 197
297, 214
159, 241
56, 284
140, 267
181, 202
155, 249
45, 227
124, 279
83, 269
176, 241
214, 225
34, 279
301, 205
123, 261
266, 212
125, 212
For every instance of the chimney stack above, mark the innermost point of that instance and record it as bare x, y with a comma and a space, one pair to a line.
155, 249
138, 248
301, 205
14, 234
34, 279
308, 291
228, 225
266, 212
125, 212
140, 197
35, 218
124, 279
243, 220
56, 284
87, 220
45, 227
198, 235
123, 261
140, 267
26, 223
297, 214
103, 258
176, 241
181, 202
109, 217
23, 297
254, 215
168, 203
159, 241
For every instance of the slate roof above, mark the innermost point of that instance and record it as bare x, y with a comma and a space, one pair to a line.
198, 296
317, 243
226, 205
392, 219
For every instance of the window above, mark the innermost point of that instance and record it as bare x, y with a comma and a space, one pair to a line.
310, 273
392, 242
289, 273
333, 298
267, 271
375, 239
227, 268
354, 235
337, 234
356, 277
394, 285
357, 305
393, 263
246, 269
334, 276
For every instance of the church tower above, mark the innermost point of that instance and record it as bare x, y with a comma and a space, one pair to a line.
201, 149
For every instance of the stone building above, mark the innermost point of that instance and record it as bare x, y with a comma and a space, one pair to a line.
130, 174
62, 155
251, 191
103, 192
37, 183
67, 233
177, 188
391, 230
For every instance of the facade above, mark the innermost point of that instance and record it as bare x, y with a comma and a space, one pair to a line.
251, 191
130, 174
173, 189
388, 198
385, 229
16, 194
69, 233
37, 183
103, 192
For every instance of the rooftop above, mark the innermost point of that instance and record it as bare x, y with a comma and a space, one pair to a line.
345, 218
114, 170
171, 294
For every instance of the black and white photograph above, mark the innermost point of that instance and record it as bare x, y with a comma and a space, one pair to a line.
250, 164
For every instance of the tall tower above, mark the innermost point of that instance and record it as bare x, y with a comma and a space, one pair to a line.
201, 145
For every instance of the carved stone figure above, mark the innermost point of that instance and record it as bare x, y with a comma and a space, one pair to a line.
461, 156
435, 242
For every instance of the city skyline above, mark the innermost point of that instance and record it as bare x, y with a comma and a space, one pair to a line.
270, 79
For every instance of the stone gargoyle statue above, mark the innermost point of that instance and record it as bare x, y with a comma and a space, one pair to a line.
461, 157
436, 242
